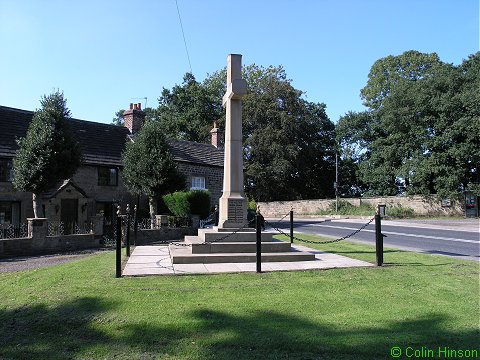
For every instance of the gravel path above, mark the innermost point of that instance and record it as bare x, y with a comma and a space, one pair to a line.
35, 262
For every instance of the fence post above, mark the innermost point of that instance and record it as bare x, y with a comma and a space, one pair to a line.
291, 226
118, 272
259, 242
127, 235
378, 239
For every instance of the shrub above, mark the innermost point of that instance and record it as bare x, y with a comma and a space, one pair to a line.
199, 201
177, 203
252, 205
186, 203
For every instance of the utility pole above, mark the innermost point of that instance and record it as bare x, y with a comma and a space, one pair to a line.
336, 182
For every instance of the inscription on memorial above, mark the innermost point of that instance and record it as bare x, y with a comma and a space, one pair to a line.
235, 210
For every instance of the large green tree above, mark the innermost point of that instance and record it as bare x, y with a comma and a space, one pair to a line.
420, 133
386, 73
149, 167
288, 141
48, 153
187, 111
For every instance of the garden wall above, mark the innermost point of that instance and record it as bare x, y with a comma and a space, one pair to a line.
46, 245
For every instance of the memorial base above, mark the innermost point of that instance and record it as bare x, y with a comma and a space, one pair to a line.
233, 213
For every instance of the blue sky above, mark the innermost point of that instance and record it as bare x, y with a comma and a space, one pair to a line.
104, 53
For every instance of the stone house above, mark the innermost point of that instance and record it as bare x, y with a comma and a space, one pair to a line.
97, 185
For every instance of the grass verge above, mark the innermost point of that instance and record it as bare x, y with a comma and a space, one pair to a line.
79, 310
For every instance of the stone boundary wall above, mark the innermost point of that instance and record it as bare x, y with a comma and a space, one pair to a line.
419, 205
47, 244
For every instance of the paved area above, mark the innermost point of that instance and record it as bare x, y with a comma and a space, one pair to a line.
155, 260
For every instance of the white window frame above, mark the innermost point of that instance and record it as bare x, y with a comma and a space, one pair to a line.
198, 183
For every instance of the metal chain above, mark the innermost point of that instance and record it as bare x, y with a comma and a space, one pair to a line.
326, 241
285, 216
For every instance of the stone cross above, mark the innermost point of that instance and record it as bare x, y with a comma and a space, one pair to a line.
233, 205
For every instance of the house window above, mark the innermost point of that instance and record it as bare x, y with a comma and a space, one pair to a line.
6, 170
107, 176
9, 212
198, 183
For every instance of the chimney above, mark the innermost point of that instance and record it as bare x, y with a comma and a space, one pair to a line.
134, 118
216, 136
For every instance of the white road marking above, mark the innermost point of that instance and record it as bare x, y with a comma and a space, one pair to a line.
397, 233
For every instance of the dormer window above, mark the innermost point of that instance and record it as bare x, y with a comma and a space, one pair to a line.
107, 176
6, 170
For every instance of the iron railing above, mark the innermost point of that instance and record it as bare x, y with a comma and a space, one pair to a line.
11, 231
59, 228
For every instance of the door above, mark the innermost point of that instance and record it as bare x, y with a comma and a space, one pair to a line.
69, 215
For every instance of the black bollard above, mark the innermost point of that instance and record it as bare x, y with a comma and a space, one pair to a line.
118, 272
127, 235
291, 226
378, 239
135, 225
259, 242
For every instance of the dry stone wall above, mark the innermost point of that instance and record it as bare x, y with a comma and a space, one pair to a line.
419, 205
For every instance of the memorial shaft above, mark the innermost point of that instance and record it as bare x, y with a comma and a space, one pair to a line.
233, 205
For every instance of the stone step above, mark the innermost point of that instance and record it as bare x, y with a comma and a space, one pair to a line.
183, 255
238, 247
210, 235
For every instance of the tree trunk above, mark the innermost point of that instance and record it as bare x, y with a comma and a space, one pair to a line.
152, 203
37, 206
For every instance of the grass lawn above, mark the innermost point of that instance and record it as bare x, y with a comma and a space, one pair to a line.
79, 310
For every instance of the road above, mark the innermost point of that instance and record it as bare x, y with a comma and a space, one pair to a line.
459, 239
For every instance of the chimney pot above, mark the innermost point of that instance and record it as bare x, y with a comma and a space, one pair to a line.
216, 136
139, 106
134, 118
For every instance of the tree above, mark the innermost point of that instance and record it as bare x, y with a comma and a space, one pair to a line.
187, 112
149, 167
118, 119
48, 152
288, 141
420, 135
388, 72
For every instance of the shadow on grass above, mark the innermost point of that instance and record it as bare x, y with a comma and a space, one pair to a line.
84, 329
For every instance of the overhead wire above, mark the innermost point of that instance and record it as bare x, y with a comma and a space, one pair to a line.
183, 34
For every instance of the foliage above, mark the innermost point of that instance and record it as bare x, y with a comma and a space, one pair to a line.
186, 203
399, 211
48, 153
177, 203
149, 167
288, 141
252, 204
188, 111
79, 310
347, 208
200, 203
420, 134
387, 73
118, 119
